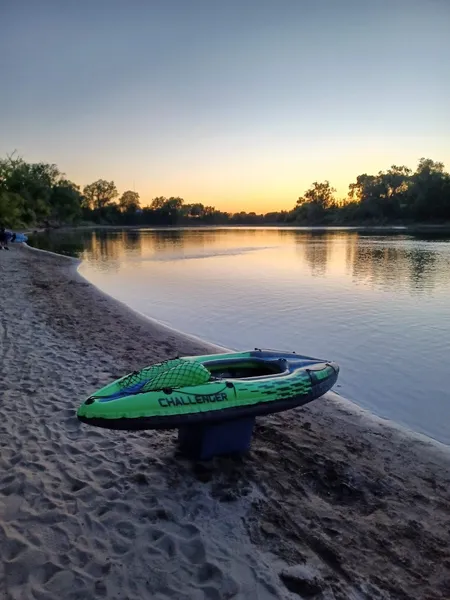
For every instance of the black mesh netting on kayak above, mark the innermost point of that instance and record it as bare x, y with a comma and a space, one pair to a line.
169, 374
187, 373
148, 373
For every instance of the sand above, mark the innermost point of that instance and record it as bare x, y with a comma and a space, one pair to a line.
329, 503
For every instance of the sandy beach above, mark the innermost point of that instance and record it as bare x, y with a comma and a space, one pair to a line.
330, 503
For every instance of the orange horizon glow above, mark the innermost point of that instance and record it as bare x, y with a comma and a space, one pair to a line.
263, 181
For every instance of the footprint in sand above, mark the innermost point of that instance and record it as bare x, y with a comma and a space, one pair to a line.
78, 557
215, 583
167, 544
77, 484
189, 531
18, 570
119, 548
155, 534
193, 550
45, 572
209, 572
12, 547
61, 583
126, 529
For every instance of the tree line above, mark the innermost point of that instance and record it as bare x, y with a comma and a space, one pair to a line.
39, 194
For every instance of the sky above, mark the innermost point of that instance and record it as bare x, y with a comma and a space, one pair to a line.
238, 104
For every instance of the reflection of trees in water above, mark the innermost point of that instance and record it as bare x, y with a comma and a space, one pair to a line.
164, 239
112, 245
351, 248
379, 265
105, 250
392, 267
313, 246
106, 246
422, 269
316, 249
132, 240
176, 239
430, 267
69, 243
389, 262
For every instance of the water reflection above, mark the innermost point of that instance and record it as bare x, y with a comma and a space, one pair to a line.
169, 239
133, 241
69, 244
392, 266
394, 261
387, 263
422, 267
316, 248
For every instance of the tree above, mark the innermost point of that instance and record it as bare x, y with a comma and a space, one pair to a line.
275, 217
33, 182
312, 206
400, 194
11, 209
428, 167
396, 180
65, 201
129, 201
158, 203
363, 189
195, 210
321, 194
100, 193
7, 168
167, 209
429, 194
382, 196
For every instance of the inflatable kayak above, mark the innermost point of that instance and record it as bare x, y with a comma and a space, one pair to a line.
209, 389
11, 236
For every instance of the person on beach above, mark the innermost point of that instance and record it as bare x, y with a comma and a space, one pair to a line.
3, 239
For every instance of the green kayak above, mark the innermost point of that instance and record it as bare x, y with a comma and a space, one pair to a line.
209, 389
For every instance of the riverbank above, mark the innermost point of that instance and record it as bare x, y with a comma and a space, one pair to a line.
329, 503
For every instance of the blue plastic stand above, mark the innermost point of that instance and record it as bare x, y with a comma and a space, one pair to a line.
202, 442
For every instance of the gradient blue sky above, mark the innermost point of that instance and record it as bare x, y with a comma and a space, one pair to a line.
241, 104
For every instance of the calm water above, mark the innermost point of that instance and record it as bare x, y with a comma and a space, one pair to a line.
377, 304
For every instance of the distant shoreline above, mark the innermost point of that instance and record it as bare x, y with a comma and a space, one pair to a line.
417, 228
